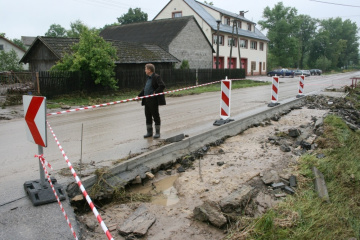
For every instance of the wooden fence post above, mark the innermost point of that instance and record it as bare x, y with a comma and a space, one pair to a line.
37, 82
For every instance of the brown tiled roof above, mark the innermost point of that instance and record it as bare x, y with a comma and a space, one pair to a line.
126, 52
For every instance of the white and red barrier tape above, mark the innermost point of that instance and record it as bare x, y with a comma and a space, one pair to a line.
77, 179
132, 99
44, 162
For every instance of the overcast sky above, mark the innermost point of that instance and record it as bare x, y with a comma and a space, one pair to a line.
33, 18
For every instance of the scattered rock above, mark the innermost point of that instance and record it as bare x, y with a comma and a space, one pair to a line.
210, 212
237, 200
320, 185
270, 177
138, 223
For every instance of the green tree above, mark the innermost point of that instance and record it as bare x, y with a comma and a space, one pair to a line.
282, 25
323, 63
184, 64
56, 30
94, 55
9, 61
305, 35
76, 29
19, 43
338, 41
133, 16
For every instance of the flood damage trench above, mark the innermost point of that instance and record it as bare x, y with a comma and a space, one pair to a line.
165, 156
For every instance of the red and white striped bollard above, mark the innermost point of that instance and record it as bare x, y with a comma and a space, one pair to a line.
301, 86
274, 92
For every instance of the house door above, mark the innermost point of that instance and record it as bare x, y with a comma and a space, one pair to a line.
260, 67
221, 62
232, 63
244, 64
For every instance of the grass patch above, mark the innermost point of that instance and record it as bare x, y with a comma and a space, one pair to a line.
305, 215
82, 99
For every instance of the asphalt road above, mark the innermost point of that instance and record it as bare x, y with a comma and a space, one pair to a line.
111, 133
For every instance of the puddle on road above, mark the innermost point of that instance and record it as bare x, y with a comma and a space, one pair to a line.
163, 192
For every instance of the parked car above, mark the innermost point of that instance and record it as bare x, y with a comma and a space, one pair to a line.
284, 72
315, 71
302, 72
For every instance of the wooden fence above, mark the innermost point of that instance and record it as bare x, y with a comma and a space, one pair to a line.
53, 83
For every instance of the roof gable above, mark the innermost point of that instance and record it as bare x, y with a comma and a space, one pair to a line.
11, 43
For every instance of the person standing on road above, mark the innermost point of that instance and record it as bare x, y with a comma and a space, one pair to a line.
153, 84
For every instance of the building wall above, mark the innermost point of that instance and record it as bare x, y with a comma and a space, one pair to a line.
42, 59
7, 47
193, 46
247, 54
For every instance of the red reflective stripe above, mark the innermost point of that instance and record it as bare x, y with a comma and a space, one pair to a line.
31, 113
225, 98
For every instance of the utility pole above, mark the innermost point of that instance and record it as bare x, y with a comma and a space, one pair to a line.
217, 42
239, 41
232, 41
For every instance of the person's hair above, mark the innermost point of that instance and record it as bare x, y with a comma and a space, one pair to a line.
151, 67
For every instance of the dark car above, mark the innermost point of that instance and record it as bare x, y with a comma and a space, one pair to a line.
315, 71
284, 72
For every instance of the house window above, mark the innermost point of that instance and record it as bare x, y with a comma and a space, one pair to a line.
243, 43
253, 45
227, 21
176, 14
239, 25
249, 26
253, 66
221, 39
261, 46
232, 41
1, 47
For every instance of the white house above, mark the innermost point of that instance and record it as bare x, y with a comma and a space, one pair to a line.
234, 29
7, 45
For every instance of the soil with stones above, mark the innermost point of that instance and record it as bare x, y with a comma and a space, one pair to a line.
236, 178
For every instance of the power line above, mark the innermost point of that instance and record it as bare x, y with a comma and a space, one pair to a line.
339, 4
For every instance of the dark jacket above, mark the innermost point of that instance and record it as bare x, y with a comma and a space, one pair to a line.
159, 87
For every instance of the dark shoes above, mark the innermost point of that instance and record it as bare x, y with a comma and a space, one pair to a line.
157, 134
149, 131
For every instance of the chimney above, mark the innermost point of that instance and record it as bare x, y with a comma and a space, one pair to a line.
242, 13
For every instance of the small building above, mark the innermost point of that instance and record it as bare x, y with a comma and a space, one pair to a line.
7, 45
46, 51
181, 37
234, 31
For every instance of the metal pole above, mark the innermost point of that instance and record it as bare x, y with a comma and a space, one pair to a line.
82, 127
42, 173
217, 43
239, 41
232, 40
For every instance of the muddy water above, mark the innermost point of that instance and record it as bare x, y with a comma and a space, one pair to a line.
163, 191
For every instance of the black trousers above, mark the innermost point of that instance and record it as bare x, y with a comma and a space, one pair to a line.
152, 111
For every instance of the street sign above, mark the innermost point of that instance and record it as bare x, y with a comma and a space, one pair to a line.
35, 117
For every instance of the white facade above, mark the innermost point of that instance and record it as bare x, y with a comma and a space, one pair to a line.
253, 54
6, 45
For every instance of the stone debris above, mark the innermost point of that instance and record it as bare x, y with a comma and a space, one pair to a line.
210, 212
237, 200
270, 177
320, 185
138, 223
